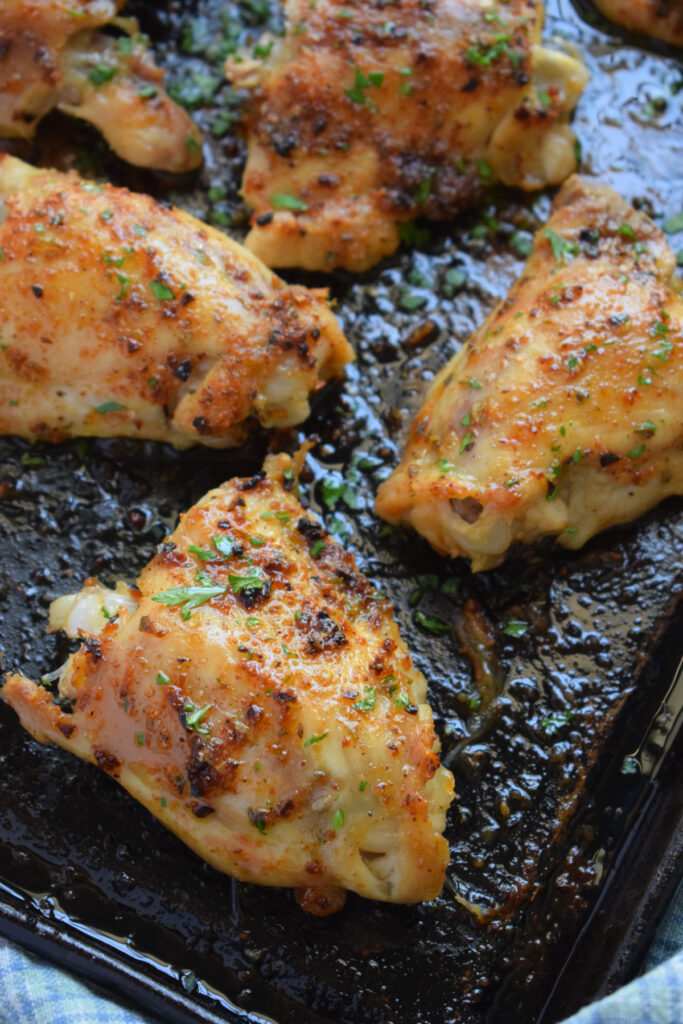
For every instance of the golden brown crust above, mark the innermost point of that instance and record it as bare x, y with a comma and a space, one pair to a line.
280, 729
662, 19
561, 415
51, 55
120, 316
366, 116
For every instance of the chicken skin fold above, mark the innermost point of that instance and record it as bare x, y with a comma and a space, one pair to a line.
367, 114
562, 414
121, 317
254, 693
51, 55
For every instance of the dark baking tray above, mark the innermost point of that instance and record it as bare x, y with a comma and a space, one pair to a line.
569, 842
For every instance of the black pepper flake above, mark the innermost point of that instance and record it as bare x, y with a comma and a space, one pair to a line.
200, 425
254, 481
37, 290
264, 219
608, 458
202, 810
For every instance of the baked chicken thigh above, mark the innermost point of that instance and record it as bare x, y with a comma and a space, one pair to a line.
120, 317
254, 693
562, 415
51, 55
662, 19
367, 114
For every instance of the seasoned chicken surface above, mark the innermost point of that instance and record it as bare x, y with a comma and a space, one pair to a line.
119, 316
662, 19
51, 55
255, 695
562, 415
367, 114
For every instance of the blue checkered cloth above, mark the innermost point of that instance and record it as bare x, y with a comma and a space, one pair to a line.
35, 993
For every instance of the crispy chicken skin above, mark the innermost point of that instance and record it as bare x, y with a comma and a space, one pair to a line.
51, 55
562, 415
662, 19
120, 317
275, 721
366, 114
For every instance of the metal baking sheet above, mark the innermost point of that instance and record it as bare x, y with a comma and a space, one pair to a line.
549, 821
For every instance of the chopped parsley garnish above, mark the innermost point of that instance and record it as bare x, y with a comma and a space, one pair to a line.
626, 231
258, 820
465, 443
256, 542
474, 383
140, 739
262, 50
101, 74
193, 718
367, 702
202, 553
515, 627
252, 581
338, 819
362, 82
317, 549
315, 739
635, 453
556, 720
484, 54
283, 201
162, 679
673, 224
362, 786
522, 243
560, 246
431, 623
161, 290
223, 545
189, 597
424, 189
400, 699
109, 407
663, 350
410, 300
253, 620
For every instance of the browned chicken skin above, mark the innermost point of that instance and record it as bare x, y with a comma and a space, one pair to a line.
662, 19
256, 696
562, 414
51, 55
120, 317
367, 114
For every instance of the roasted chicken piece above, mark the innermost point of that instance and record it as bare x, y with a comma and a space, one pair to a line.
562, 415
119, 316
366, 114
662, 19
254, 693
51, 55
